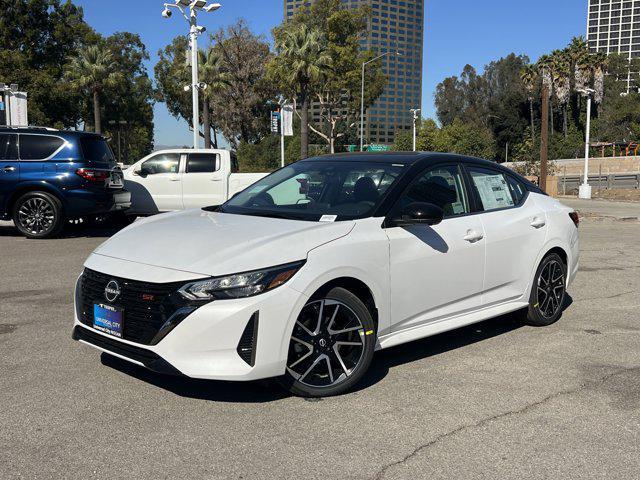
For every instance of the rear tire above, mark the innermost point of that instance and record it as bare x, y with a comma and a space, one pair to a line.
547, 292
38, 215
331, 346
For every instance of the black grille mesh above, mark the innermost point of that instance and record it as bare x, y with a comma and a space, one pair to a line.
147, 306
247, 344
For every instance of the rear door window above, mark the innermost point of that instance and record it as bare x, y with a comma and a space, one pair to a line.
202, 163
8, 146
38, 147
492, 188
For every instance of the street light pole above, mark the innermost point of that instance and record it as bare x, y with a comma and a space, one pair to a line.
584, 191
416, 113
193, 36
364, 64
194, 30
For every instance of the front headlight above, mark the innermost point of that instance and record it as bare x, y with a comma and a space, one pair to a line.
241, 284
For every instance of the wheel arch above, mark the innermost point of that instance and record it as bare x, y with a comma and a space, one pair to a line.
33, 187
356, 286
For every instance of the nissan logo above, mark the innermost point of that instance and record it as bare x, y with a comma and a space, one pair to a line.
112, 291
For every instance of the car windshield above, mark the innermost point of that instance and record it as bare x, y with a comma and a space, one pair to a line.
317, 191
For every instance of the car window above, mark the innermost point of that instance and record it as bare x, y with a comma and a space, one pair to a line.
38, 147
96, 149
441, 186
162, 163
202, 163
235, 167
8, 146
518, 191
492, 188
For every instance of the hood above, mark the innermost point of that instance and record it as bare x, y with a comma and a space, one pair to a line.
210, 243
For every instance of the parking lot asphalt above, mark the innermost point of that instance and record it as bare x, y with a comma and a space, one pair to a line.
494, 400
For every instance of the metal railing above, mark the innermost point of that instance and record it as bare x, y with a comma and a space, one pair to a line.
567, 183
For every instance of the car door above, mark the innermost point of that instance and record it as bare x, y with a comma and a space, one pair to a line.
9, 167
515, 231
156, 184
203, 181
436, 271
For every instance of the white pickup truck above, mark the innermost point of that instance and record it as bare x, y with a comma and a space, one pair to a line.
179, 179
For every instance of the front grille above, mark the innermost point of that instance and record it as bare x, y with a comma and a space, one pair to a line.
146, 306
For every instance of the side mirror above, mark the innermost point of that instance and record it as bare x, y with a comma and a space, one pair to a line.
420, 213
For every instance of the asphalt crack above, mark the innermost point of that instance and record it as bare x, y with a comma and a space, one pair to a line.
584, 386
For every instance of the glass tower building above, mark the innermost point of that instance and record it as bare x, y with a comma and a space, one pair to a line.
395, 26
613, 26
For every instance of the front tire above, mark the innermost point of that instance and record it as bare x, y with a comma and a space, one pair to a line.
548, 292
331, 346
38, 215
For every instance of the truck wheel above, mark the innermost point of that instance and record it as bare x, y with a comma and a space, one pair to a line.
38, 215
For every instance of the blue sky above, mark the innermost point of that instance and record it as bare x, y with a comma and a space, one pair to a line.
457, 32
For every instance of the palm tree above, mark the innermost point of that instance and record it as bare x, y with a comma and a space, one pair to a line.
530, 77
302, 59
544, 66
212, 73
560, 74
93, 69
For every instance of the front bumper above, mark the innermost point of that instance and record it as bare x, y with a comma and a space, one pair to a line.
206, 343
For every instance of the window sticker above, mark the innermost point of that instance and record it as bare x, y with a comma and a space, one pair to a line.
493, 191
328, 218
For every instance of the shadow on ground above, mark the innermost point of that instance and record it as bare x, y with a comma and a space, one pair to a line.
383, 362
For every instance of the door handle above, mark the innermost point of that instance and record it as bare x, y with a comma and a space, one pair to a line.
472, 236
174, 179
9, 169
214, 179
538, 222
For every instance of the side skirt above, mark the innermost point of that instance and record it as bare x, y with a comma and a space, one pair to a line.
444, 325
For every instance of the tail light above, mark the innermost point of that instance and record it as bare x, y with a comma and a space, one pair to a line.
576, 219
93, 175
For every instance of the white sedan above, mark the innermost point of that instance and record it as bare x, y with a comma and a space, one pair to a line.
305, 274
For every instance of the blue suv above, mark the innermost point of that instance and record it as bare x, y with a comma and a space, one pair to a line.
48, 176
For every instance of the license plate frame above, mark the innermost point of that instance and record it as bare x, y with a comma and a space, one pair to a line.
116, 180
108, 319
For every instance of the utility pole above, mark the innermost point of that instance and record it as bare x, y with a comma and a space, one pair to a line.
544, 137
194, 30
416, 115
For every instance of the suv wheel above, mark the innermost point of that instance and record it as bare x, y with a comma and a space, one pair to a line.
38, 215
331, 346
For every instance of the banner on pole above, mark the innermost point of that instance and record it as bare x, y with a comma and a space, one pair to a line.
275, 122
287, 120
18, 109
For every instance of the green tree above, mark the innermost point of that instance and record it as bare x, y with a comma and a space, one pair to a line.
241, 108
466, 139
93, 69
37, 37
172, 74
211, 72
300, 62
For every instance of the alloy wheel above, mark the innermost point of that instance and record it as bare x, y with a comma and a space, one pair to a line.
36, 215
327, 344
550, 289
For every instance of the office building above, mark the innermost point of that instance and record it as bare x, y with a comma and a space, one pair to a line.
613, 26
395, 26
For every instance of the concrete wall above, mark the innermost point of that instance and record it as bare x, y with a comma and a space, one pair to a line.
609, 165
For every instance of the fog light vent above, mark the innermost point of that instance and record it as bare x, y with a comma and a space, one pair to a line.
247, 345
